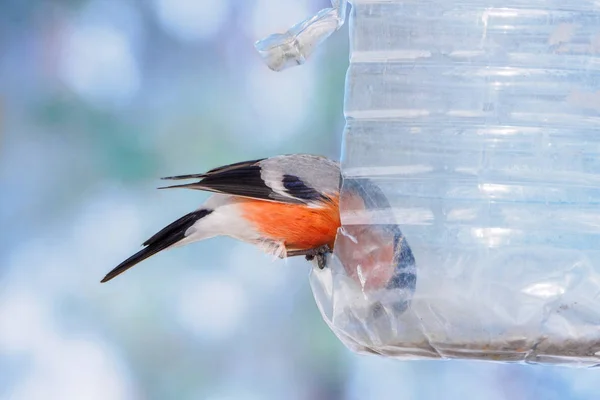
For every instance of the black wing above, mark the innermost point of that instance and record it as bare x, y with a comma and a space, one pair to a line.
217, 170
246, 179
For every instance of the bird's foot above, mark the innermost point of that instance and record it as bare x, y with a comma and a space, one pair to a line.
320, 253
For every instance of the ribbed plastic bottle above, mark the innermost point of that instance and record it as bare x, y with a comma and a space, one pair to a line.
471, 163
479, 121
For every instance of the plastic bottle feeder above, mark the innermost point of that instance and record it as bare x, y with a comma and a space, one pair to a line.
471, 196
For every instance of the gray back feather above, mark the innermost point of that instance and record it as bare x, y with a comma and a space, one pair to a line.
318, 173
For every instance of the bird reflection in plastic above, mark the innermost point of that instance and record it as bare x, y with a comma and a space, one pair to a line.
373, 268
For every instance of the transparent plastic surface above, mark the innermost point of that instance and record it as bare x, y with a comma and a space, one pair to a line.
285, 50
479, 122
370, 280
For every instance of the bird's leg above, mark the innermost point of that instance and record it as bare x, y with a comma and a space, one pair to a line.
310, 254
321, 260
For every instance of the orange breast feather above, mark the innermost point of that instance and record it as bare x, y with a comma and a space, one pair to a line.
298, 226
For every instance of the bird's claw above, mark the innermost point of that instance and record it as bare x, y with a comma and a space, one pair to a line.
320, 253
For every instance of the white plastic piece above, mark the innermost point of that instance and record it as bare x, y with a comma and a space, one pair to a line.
478, 123
281, 51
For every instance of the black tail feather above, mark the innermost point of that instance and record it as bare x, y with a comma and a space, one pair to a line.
165, 238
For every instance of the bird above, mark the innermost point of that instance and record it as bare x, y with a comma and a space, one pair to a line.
287, 205
371, 247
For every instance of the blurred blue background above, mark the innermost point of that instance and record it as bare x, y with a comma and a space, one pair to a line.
100, 98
